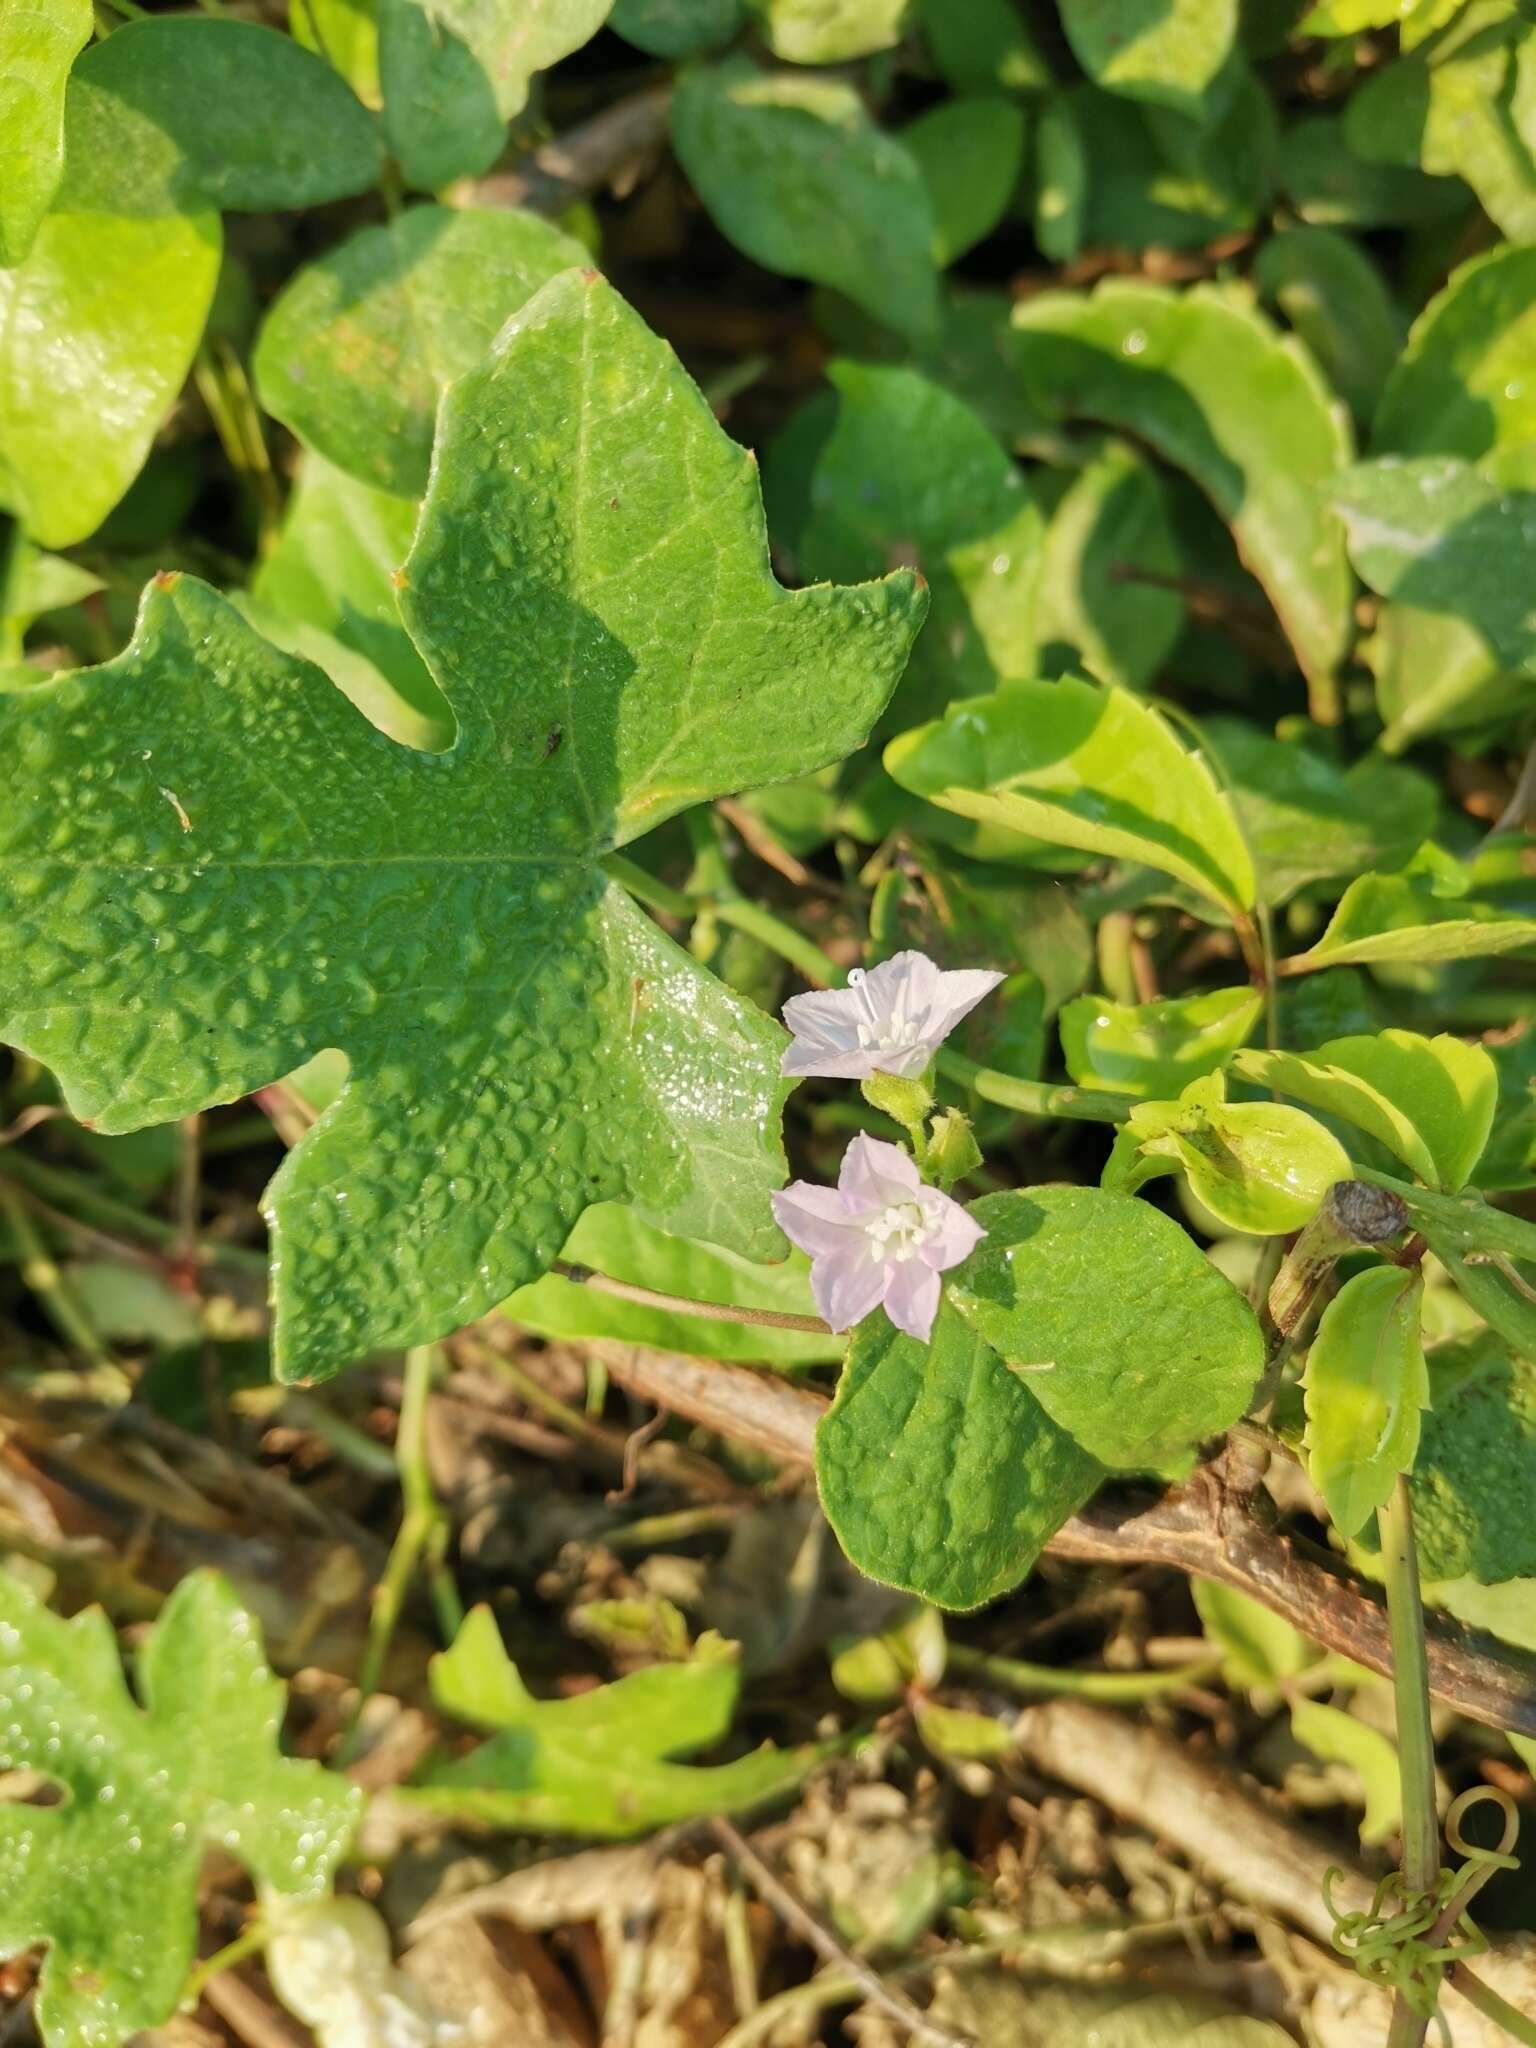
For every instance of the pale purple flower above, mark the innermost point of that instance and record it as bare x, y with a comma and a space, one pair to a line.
881, 1235
891, 1020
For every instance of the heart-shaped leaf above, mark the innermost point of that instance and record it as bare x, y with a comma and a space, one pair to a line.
1131, 1339
1428, 1100
361, 344
109, 1877
39, 40
1078, 765
794, 171
1365, 1384
1209, 383
197, 894
1155, 1049
939, 1471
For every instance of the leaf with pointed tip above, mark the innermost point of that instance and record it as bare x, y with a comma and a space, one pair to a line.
39, 40
1130, 1338
1169, 52
1365, 1383
1415, 914
1209, 383
793, 170
213, 866
1430, 1101
938, 1469
98, 328
360, 345
108, 1878
1079, 765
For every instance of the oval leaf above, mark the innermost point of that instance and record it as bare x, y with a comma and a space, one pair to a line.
1365, 1383
1428, 1100
360, 345
1208, 382
39, 40
1079, 765
1130, 1338
938, 1470
796, 174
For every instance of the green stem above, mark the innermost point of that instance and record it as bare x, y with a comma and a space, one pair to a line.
52, 1292
1110, 1688
421, 1542
254, 1939
1036, 1098
1488, 2002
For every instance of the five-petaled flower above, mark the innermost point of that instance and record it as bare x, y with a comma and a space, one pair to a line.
891, 1020
881, 1235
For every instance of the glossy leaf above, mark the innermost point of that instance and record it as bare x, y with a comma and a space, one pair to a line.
938, 1469
1170, 52
1436, 534
599, 1763
1430, 1101
1126, 1334
359, 347
1094, 613
522, 1041
454, 72
181, 112
1365, 1384
1463, 385
894, 467
108, 1877
98, 328
1258, 1167
325, 591
1208, 383
1155, 1049
39, 40
615, 1241
1422, 913
1332, 295
795, 173
1078, 765
971, 154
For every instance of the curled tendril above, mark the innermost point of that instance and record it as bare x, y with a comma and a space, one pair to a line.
1403, 1942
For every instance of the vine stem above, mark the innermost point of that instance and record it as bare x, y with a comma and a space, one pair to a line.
1488, 2002
421, 1542
1109, 1688
1415, 1741
1031, 1098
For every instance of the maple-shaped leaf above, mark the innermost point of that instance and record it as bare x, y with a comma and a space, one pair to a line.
212, 866
108, 1876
